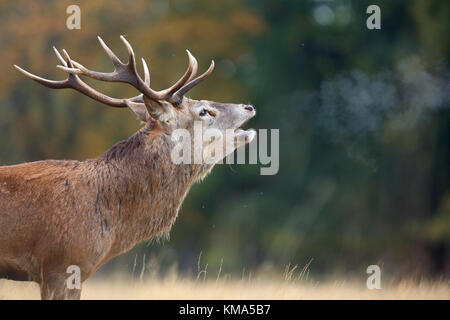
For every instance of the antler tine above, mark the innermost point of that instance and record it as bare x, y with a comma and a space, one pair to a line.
189, 74
53, 84
131, 56
195, 66
116, 61
69, 61
146, 72
60, 58
178, 96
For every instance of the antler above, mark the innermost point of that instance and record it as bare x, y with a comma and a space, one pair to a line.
127, 73
122, 73
74, 82
178, 96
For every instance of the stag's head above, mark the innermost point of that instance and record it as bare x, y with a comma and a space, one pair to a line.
169, 109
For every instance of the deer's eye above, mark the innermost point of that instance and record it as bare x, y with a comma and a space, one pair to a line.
203, 113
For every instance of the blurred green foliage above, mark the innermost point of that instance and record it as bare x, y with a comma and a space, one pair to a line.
364, 123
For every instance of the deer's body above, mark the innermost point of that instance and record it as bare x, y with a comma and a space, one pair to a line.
56, 214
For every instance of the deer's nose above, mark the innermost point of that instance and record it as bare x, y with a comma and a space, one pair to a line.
249, 108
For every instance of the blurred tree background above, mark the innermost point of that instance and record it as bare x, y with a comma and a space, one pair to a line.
364, 123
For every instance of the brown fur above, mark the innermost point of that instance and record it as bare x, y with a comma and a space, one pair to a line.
54, 214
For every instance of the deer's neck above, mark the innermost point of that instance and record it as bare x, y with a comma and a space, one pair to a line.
140, 189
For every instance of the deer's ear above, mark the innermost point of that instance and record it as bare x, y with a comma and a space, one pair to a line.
140, 110
157, 110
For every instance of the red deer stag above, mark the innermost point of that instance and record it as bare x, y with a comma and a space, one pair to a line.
55, 213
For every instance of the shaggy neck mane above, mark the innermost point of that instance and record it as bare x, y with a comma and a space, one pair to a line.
139, 189
124, 148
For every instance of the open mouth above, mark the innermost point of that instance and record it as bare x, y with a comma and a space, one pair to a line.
245, 135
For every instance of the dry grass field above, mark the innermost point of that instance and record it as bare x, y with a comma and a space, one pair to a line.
176, 287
